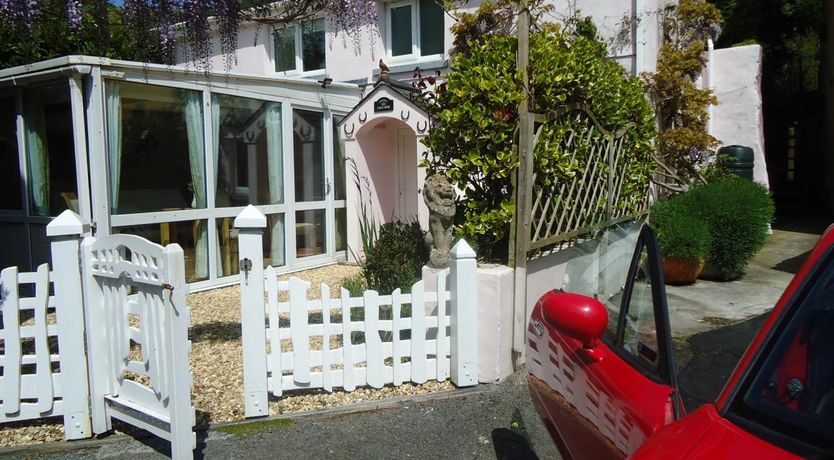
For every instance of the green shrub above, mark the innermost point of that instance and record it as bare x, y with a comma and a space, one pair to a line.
355, 285
737, 212
680, 233
476, 118
396, 258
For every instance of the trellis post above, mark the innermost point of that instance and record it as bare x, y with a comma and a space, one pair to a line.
251, 223
523, 187
65, 231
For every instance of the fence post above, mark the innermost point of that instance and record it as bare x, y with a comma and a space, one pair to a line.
65, 231
462, 313
251, 223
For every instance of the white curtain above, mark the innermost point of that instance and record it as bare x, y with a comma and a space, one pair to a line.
215, 129
36, 152
275, 169
114, 140
196, 159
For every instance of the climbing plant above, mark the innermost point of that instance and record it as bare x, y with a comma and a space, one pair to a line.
684, 149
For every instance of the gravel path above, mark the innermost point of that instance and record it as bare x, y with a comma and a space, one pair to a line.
217, 365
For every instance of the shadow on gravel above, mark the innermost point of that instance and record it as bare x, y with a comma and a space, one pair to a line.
513, 443
793, 264
712, 357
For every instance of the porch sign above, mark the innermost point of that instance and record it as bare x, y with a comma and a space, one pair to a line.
383, 104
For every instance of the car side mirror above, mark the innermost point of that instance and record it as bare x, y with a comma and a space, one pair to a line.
580, 317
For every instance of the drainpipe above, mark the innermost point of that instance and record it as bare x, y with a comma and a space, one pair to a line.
639, 40
709, 81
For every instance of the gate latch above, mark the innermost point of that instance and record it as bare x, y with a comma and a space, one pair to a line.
245, 266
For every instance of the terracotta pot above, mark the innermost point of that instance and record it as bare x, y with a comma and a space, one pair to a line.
679, 272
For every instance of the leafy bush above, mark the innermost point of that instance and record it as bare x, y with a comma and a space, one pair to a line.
737, 212
355, 285
396, 258
681, 234
476, 116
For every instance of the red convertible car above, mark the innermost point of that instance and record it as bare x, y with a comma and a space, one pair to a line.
602, 373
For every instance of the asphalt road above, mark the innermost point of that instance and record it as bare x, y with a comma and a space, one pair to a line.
495, 421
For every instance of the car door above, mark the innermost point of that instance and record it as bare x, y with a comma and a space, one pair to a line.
601, 398
783, 388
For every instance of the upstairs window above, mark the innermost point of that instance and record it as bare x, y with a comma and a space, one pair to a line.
300, 48
415, 29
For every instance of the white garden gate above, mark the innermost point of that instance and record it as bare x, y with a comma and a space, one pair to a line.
137, 329
352, 346
128, 295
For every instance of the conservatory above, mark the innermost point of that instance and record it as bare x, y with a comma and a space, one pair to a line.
172, 155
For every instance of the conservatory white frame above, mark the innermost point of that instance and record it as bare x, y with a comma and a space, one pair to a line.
86, 76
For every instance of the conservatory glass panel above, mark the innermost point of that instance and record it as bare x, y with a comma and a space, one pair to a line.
51, 176
274, 244
310, 233
9, 161
308, 154
339, 172
185, 233
248, 156
156, 153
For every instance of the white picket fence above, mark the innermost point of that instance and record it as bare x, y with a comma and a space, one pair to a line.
436, 346
43, 357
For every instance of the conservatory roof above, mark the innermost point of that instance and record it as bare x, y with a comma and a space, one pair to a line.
341, 94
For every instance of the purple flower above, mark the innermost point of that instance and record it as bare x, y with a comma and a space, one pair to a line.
73, 8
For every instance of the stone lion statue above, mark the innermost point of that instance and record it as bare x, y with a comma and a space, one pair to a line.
439, 196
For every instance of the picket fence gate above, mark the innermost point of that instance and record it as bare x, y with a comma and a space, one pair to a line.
437, 346
117, 307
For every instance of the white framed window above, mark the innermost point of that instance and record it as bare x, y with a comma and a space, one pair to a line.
415, 29
300, 48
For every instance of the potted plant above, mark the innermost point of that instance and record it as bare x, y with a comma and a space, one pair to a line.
684, 241
737, 213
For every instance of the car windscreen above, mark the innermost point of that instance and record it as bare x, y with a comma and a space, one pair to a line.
789, 397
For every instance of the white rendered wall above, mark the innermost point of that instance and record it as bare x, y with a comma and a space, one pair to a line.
738, 118
347, 62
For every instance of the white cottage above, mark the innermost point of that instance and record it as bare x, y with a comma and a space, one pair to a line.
173, 154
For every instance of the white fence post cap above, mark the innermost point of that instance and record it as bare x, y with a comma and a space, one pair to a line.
462, 250
250, 217
67, 223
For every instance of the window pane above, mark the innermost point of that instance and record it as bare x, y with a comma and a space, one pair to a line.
341, 229
15, 251
401, 30
156, 154
309, 233
640, 335
49, 150
285, 49
192, 236
312, 45
431, 27
339, 173
9, 162
308, 153
599, 267
792, 390
249, 155
274, 244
